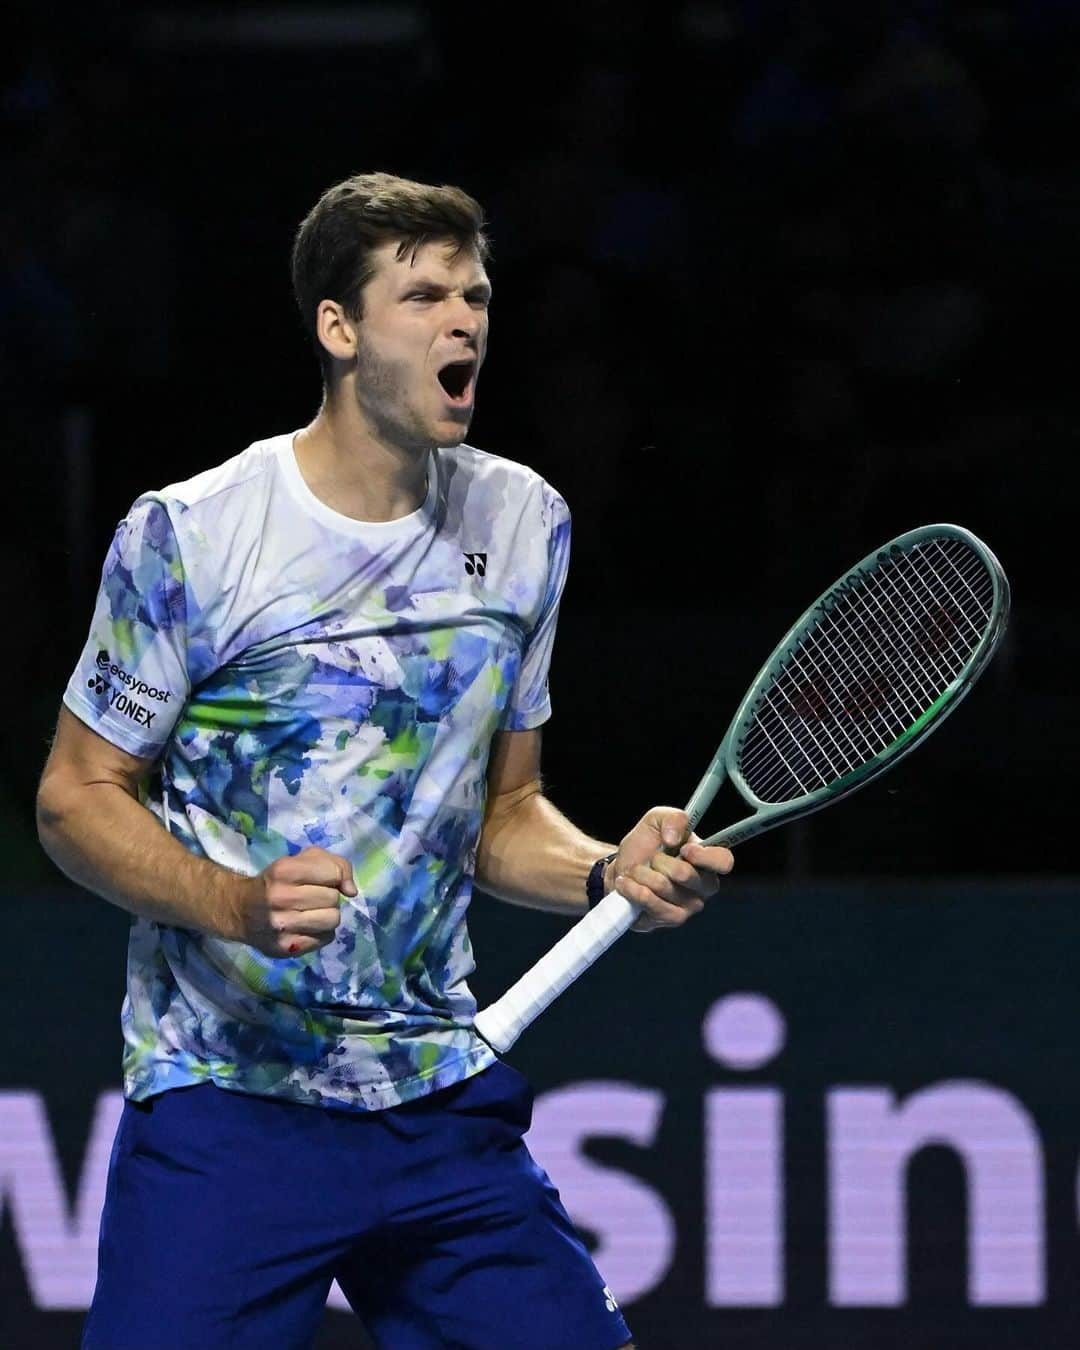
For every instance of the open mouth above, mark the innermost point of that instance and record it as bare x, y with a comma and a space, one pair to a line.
457, 380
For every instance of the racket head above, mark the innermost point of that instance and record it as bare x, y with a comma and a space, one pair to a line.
865, 674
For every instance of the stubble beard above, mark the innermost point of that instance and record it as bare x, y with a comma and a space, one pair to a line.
382, 398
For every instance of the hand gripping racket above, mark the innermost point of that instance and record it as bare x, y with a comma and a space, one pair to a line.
870, 669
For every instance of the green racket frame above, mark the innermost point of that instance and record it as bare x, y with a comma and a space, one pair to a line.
724, 763
503, 1021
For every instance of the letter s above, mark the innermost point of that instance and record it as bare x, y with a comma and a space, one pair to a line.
632, 1223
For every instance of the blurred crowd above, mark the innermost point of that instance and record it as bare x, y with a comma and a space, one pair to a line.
775, 279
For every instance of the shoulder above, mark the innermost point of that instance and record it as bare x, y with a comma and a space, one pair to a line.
242, 476
213, 502
501, 484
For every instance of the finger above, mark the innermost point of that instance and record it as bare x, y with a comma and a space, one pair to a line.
658, 909
342, 874
655, 883
347, 885
712, 857
284, 898
293, 944
317, 867
682, 874
318, 923
672, 825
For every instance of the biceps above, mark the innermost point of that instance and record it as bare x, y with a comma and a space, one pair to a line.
80, 756
514, 763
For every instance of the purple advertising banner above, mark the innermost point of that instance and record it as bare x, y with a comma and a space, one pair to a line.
828, 1115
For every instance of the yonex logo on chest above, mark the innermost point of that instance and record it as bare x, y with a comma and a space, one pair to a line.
475, 564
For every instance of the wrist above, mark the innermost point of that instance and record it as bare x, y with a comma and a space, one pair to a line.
600, 880
235, 900
610, 872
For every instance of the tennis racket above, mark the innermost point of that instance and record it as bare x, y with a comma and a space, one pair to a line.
869, 670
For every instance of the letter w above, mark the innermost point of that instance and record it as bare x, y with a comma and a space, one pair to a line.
58, 1247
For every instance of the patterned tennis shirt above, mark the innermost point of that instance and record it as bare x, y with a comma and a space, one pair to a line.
302, 678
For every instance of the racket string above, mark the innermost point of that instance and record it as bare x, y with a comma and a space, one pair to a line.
923, 645
898, 653
933, 621
856, 671
767, 784
874, 663
842, 695
984, 608
822, 672
915, 644
933, 630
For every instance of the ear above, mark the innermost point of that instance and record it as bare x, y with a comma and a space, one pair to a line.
335, 330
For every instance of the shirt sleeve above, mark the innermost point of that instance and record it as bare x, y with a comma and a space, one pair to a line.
529, 704
133, 677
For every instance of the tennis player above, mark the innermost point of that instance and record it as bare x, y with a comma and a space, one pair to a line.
306, 722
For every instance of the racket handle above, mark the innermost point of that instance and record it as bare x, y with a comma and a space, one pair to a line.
503, 1021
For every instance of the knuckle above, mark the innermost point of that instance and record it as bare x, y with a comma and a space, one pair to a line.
277, 894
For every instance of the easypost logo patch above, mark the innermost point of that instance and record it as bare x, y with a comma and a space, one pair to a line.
124, 696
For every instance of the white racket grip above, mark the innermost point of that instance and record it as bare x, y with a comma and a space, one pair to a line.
503, 1021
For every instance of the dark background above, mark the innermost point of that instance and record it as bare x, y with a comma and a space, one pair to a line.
774, 282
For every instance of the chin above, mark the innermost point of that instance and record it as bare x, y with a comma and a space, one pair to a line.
449, 434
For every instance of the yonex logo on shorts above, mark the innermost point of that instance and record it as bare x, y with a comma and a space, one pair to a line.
475, 563
136, 687
609, 1300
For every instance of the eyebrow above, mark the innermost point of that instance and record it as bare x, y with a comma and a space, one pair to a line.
476, 288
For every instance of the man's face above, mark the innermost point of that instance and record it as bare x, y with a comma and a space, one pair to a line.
421, 339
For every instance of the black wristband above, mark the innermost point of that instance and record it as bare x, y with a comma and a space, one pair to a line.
594, 885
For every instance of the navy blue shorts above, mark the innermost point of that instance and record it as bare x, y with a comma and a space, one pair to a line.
226, 1217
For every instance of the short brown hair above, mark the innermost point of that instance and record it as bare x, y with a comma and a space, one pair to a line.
331, 256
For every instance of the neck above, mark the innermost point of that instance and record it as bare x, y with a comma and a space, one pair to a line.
356, 474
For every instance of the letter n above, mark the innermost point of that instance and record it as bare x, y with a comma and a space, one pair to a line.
871, 1141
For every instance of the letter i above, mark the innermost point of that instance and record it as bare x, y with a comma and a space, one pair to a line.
744, 1187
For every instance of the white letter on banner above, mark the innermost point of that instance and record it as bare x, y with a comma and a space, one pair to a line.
631, 1221
871, 1141
58, 1248
744, 1140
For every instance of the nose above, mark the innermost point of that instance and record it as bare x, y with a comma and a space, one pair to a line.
464, 321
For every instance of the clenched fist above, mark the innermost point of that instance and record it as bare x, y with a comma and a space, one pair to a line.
292, 907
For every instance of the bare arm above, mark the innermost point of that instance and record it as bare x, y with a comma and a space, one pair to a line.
93, 826
530, 854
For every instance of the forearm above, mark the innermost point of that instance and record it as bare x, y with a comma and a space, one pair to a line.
531, 854
108, 842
